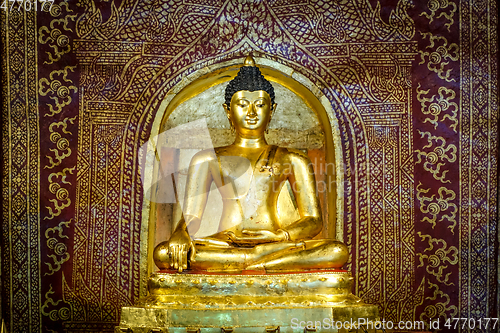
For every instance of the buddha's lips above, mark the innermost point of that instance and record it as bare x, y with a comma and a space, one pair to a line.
251, 121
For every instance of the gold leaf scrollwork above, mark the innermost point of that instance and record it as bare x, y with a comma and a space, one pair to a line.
54, 315
56, 90
435, 206
393, 88
91, 25
435, 5
434, 105
57, 40
62, 195
435, 159
62, 144
56, 8
439, 260
438, 309
438, 57
60, 249
401, 25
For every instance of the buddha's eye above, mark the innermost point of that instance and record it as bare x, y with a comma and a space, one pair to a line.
260, 105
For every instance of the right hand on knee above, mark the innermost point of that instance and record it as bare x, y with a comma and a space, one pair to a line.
180, 246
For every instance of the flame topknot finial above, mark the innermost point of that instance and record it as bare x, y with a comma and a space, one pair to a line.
249, 61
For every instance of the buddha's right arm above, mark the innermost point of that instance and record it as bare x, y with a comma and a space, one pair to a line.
199, 179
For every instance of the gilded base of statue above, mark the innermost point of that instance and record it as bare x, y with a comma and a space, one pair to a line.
247, 302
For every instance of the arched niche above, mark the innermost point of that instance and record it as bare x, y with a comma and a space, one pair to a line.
216, 76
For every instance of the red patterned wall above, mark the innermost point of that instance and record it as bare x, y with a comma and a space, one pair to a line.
413, 87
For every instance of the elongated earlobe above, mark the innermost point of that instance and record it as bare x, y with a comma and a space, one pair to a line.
271, 113
228, 114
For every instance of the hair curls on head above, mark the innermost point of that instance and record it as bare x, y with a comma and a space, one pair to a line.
249, 78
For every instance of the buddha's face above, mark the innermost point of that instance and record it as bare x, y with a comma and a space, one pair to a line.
250, 111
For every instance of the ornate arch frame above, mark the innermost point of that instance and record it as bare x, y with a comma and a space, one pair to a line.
206, 77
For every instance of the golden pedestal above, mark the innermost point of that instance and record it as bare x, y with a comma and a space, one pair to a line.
294, 302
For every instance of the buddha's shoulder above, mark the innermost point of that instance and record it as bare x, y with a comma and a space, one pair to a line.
205, 155
212, 153
291, 155
224, 150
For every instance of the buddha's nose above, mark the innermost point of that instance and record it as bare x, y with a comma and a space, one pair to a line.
251, 111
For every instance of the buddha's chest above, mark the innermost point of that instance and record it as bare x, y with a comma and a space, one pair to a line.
241, 177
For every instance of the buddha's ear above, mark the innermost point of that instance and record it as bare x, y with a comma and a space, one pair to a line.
228, 112
273, 110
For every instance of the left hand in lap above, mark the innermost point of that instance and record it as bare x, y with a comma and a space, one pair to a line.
255, 237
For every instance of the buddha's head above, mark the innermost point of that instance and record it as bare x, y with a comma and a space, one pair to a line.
249, 100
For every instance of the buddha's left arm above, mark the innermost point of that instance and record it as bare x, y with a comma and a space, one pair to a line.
303, 183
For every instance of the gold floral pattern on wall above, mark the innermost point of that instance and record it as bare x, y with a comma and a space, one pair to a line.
414, 90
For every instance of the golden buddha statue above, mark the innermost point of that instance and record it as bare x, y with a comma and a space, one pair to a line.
251, 236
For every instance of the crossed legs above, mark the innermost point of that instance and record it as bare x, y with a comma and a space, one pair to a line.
272, 257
